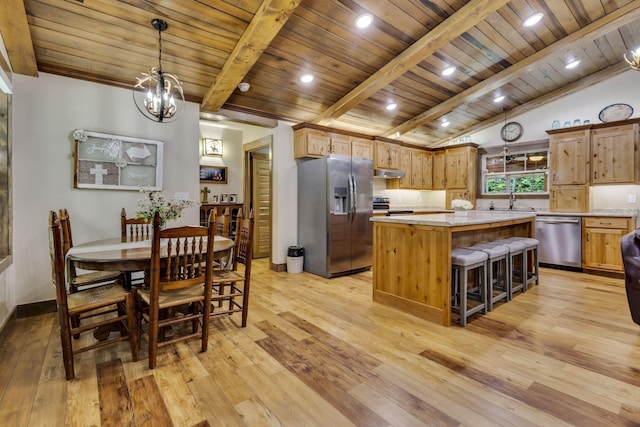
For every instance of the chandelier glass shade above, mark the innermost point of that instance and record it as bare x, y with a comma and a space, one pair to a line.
158, 95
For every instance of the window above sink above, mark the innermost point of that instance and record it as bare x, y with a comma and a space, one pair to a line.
524, 172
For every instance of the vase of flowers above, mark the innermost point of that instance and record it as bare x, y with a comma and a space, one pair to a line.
154, 201
461, 206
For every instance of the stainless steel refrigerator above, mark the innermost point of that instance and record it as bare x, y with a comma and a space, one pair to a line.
335, 202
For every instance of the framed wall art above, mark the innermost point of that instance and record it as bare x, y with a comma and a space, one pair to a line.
233, 198
115, 162
224, 198
211, 147
213, 174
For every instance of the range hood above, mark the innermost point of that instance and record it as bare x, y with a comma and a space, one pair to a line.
387, 173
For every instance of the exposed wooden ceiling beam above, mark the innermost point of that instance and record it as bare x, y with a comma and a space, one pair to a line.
264, 26
601, 27
449, 29
14, 28
574, 87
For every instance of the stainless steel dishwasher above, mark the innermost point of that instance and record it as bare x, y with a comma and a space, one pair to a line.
560, 240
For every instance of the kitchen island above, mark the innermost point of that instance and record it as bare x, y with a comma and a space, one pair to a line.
412, 255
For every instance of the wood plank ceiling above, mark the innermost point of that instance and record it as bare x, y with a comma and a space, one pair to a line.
214, 45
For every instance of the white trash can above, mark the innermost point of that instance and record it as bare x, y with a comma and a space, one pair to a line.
295, 259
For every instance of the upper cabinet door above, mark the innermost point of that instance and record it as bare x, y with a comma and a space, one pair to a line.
457, 167
361, 147
614, 155
340, 144
438, 170
569, 157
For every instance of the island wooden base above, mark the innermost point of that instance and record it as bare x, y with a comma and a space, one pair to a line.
412, 263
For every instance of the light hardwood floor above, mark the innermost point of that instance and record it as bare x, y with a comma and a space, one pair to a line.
319, 352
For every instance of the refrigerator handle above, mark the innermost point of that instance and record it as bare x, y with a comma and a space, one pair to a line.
352, 197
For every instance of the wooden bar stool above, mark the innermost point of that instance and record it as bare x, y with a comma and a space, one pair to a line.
531, 253
464, 261
498, 277
517, 264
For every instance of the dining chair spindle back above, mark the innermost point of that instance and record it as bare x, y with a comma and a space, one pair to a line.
107, 306
180, 289
231, 286
80, 281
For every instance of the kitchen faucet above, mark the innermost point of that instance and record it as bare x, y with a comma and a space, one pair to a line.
512, 200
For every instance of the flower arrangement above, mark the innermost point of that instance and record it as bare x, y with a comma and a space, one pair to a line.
461, 204
154, 201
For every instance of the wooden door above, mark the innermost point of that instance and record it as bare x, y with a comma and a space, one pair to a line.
568, 157
261, 197
416, 170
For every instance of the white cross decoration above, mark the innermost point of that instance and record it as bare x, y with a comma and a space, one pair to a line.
98, 172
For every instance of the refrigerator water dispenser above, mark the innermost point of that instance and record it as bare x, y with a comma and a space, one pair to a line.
340, 201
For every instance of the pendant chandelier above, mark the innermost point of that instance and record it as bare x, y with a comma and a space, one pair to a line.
634, 62
158, 95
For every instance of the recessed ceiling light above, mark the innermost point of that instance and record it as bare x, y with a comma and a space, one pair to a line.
391, 106
307, 78
572, 64
448, 71
445, 123
499, 98
533, 19
364, 20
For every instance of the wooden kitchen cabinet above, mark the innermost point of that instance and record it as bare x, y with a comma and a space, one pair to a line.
361, 147
309, 142
569, 198
439, 160
427, 170
614, 155
601, 238
339, 144
460, 172
387, 155
458, 167
405, 166
569, 157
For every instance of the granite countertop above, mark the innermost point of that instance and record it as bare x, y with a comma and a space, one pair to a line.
452, 220
626, 213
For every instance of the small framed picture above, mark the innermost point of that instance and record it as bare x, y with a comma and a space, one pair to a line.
224, 198
216, 198
213, 174
233, 198
211, 147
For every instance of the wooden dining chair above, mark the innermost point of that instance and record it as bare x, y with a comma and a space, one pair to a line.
223, 222
88, 279
108, 307
181, 272
136, 228
230, 289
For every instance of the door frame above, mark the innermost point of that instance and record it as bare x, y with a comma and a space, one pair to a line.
248, 148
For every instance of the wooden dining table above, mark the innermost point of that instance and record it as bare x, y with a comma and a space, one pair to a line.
127, 254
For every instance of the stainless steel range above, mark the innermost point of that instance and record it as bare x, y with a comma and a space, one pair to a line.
381, 203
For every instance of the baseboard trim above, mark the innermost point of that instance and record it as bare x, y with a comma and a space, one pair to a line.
279, 268
35, 309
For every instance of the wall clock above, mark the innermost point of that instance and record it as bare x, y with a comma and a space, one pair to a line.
511, 131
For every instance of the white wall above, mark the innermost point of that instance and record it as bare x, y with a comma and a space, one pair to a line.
46, 110
584, 105
231, 158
